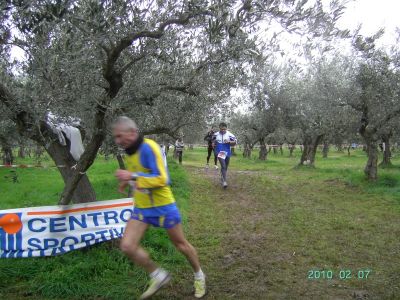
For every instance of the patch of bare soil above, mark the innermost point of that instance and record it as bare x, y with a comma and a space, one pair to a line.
237, 268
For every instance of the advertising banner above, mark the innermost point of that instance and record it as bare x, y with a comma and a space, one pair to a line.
53, 230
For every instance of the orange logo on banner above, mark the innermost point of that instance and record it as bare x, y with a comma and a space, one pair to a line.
10, 223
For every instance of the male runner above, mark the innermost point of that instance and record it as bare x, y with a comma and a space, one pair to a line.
210, 148
154, 205
223, 140
179, 146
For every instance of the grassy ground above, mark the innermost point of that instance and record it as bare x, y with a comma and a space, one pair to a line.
101, 272
260, 239
339, 166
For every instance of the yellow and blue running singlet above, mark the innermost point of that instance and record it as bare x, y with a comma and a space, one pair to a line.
154, 201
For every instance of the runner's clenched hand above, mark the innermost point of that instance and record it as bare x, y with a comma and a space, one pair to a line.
123, 175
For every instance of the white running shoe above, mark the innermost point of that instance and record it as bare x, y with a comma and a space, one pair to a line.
207, 166
216, 167
200, 288
154, 286
224, 184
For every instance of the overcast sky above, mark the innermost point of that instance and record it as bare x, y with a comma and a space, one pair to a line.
373, 14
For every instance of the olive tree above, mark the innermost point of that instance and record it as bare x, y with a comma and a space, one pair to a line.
377, 97
94, 59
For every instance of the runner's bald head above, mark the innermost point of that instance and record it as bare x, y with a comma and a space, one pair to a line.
125, 123
125, 132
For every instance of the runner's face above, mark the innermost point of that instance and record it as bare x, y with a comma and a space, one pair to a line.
124, 137
222, 130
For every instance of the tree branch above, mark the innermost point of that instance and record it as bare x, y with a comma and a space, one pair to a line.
183, 89
389, 117
125, 42
158, 130
133, 61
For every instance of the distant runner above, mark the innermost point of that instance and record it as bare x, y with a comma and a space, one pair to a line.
179, 146
154, 205
210, 148
223, 140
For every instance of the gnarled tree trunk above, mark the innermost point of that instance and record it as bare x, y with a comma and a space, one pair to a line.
386, 162
291, 149
313, 149
310, 149
21, 150
305, 150
369, 134
263, 150
84, 191
247, 150
8, 157
325, 150
371, 169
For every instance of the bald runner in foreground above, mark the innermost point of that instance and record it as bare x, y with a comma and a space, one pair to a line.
154, 205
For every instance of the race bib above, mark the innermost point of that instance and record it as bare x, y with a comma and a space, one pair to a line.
222, 154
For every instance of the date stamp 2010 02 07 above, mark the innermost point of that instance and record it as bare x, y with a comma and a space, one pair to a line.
343, 274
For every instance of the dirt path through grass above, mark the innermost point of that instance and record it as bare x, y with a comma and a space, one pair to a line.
225, 227
238, 269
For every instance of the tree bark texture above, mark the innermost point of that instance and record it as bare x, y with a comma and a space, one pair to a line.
21, 151
313, 149
305, 151
369, 134
387, 154
310, 149
8, 158
263, 150
7, 155
84, 191
325, 150
291, 149
371, 169
247, 150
